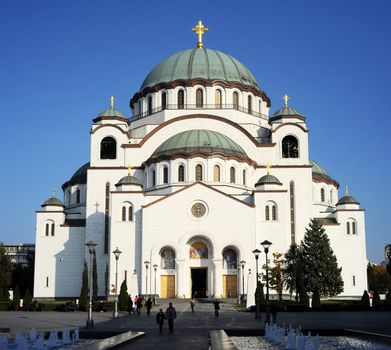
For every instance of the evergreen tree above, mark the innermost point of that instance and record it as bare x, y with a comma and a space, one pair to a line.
16, 299
375, 299
27, 299
94, 279
260, 294
322, 276
123, 297
275, 275
365, 299
378, 278
107, 281
83, 300
5, 274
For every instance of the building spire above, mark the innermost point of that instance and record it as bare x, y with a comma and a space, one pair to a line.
112, 100
286, 98
346, 191
129, 168
199, 29
53, 192
268, 168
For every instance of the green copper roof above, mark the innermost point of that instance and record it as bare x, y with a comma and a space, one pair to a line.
111, 112
347, 200
286, 110
268, 179
200, 63
53, 201
129, 180
199, 141
318, 169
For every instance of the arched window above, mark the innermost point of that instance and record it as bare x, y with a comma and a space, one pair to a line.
230, 259
353, 228
232, 175
274, 213
260, 106
153, 178
348, 228
331, 197
47, 229
322, 199
198, 172
244, 178
130, 213
52, 229
168, 259
164, 100
199, 98
108, 148
249, 103
77, 196
290, 147
165, 175
149, 104
218, 102
235, 100
124, 213
198, 250
181, 99
216, 173
140, 107
267, 213
181, 173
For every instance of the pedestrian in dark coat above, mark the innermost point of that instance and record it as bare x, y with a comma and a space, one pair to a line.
192, 303
171, 316
139, 306
216, 305
160, 317
148, 304
130, 304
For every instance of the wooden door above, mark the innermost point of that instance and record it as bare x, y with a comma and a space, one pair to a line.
230, 286
167, 286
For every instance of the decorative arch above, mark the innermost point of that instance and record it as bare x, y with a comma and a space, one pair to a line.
167, 258
290, 147
165, 174
322, 195
232, 175
181, 99
50, 228
218, 98
230, 258
271, 211
164, 100
108, 148
199, 98
235, 100
351, 226
181, 173
126, 212
198, 250
216, 173
199, 172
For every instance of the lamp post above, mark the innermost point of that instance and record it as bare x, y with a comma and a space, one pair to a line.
256, 253
154, 294
146, 277
238, 288
266, 244
116, 253
91, 249
242, 263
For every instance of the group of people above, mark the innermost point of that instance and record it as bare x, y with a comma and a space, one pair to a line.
135, 305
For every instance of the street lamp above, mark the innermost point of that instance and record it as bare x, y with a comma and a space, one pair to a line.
266, 244
116, 253
91, 249
154, 294
146, 276
238, 287
242, 263
256, 253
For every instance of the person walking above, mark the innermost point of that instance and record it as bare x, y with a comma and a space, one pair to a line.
130, 304
192, 303
216, 305
148, 304
139, 306
160, 317
171, 316
135, 304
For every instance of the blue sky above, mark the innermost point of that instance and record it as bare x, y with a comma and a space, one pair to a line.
60, 62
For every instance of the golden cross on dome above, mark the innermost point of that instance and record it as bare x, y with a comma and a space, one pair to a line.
129, 168
53, 192
200, 29
268, 168
286, 98
346, 191
112, 100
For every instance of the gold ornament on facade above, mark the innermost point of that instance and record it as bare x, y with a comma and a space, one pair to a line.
198, 210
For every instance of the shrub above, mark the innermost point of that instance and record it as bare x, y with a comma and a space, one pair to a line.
27, 299
365, 299
123, 297
376, 299
16, 299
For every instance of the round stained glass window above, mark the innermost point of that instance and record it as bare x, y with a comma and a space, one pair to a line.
198, 210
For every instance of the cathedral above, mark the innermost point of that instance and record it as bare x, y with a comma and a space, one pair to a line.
189, 185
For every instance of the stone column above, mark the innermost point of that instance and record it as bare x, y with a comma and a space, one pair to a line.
218, 278
180, 278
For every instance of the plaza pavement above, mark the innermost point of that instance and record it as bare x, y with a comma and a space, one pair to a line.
192, 329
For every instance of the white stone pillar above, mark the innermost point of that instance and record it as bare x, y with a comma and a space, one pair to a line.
218, 278
180, 278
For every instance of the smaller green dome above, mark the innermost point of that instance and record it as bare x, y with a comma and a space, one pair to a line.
318, 169
52, 201
268, 179
347, 200
129, 180
111, 112
286, 110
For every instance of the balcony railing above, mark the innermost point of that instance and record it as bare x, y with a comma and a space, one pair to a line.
198, 107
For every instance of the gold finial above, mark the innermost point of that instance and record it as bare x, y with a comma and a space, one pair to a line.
200, 29
112, 100
129, 168
286, 98
268, 168
346, 191
53, 192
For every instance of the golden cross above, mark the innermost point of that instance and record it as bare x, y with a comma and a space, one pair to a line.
346, 191
268, 168
286, 98
200, 29
129, 168
53, 192
112, 100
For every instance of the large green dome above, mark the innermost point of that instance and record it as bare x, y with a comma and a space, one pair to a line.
205, 141
200, 63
